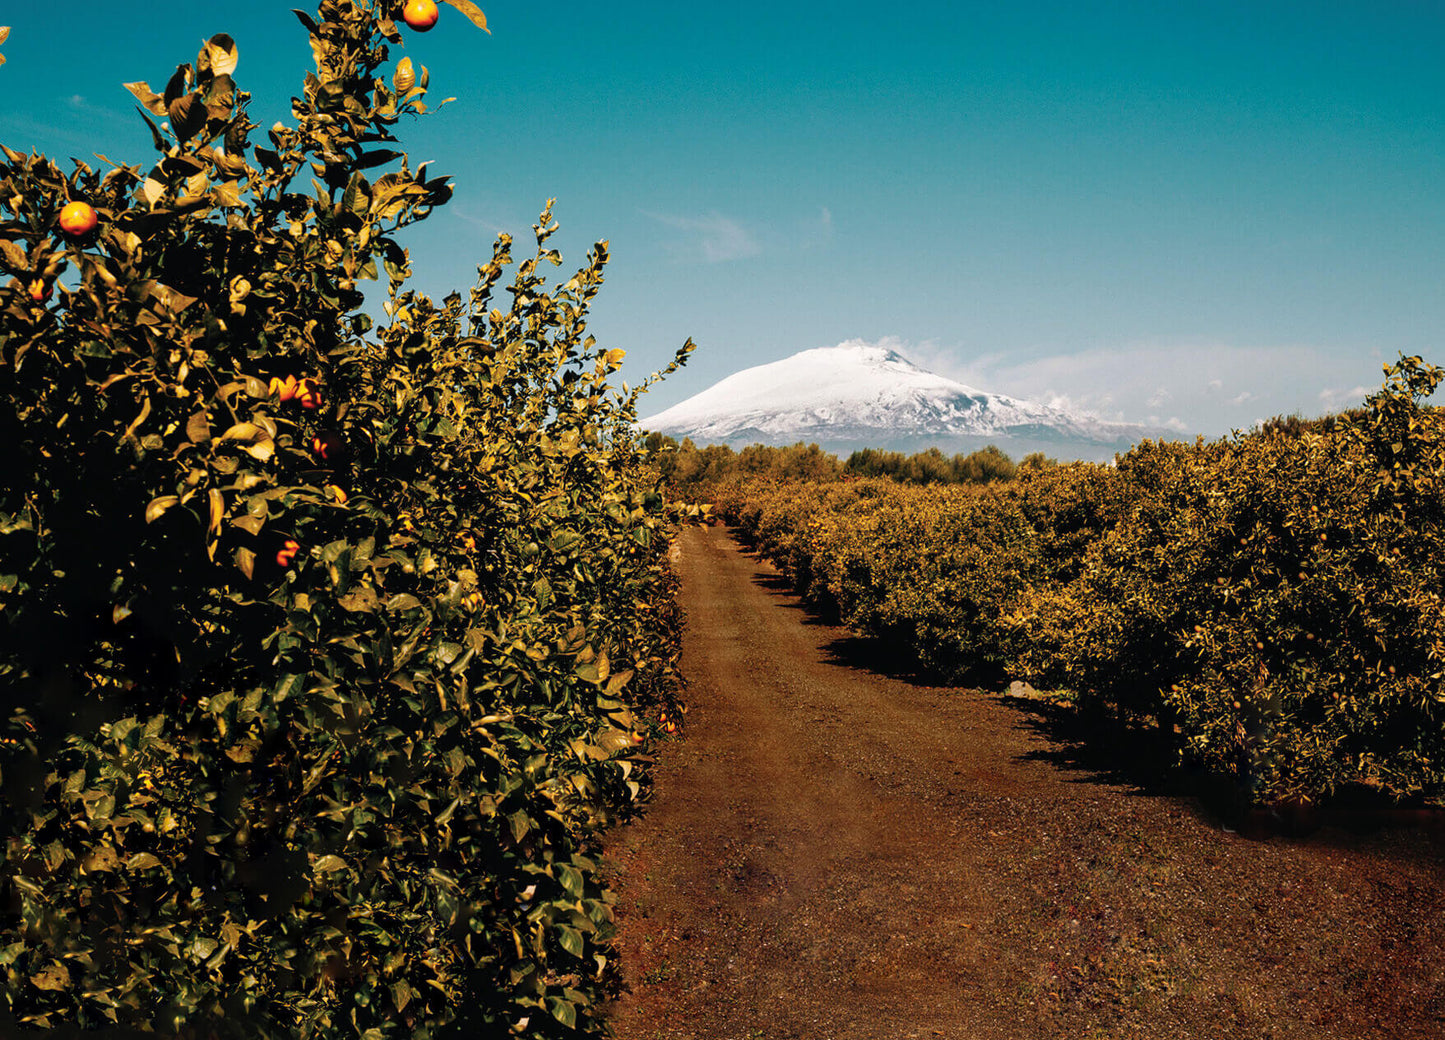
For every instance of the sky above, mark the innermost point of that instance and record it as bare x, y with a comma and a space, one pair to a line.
1197, 215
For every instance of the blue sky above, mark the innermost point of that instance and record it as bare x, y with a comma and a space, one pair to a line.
1196, 213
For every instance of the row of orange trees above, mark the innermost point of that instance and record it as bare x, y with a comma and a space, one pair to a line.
325, 649
1272, 601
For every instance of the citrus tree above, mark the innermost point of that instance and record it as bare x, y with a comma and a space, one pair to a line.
325, 649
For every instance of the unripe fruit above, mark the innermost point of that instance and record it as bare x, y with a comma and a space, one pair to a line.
420, 15
337, 494
77, 219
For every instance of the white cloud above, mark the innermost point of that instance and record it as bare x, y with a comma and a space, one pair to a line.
1332, 399
713, 238
1203, 384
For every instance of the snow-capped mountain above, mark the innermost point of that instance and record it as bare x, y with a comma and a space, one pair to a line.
862, 395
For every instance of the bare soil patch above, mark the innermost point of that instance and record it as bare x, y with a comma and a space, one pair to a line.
835, 850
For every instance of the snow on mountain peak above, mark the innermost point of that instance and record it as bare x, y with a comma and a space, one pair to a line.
864, 393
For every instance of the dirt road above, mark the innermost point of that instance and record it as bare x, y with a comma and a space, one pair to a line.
836, 852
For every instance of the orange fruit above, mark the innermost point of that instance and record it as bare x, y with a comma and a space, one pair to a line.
329, 445
77, 219
420, 15
337, 494
287, 552
285, 389
38, 290
308, 392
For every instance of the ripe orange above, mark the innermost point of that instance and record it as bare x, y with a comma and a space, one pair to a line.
329, 445
78, 219
38, 290
287, 552
421, 15
285, 389
308, 392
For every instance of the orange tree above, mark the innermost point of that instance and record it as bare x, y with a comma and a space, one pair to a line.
325, 649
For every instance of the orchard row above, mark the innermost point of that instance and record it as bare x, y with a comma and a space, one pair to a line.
1271, 602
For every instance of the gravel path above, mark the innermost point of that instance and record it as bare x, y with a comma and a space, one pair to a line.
837, 852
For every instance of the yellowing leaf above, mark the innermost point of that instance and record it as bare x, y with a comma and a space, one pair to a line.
221, 52
148, 97
218, 509
404, 78
53, 977
158, 506
101, 858
198, 428
473, 12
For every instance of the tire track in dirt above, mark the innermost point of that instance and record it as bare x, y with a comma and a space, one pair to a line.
833, 852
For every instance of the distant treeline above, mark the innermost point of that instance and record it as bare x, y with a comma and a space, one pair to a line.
686, 467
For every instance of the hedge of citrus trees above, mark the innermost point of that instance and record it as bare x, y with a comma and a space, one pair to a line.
1271, 601
325, 649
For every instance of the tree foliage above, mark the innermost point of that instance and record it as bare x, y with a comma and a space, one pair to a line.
1271, 601
325, 648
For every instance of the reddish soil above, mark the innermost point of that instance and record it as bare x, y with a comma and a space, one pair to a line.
836, 851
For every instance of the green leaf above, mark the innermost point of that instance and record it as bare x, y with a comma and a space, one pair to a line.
571, 879
563, 1011
570, 939
250, 524
201, 949
187, 115
401, 995
328, 864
